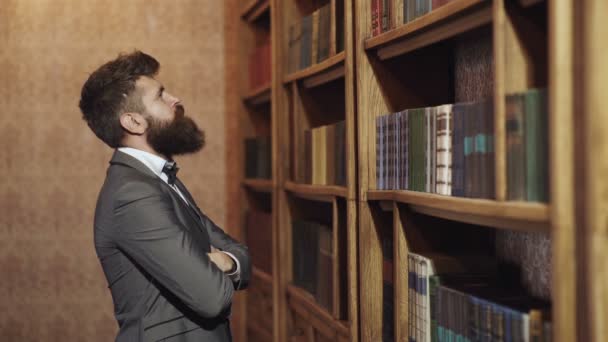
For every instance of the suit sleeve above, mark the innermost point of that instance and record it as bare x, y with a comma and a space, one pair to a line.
224, 242
149, 232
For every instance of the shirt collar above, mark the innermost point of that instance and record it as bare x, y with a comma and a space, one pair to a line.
152, 161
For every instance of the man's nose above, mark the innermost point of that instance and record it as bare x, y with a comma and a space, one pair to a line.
173, 101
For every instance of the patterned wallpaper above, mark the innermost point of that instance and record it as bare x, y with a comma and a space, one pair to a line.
52, 165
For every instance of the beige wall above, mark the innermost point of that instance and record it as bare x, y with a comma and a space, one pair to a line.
52, 166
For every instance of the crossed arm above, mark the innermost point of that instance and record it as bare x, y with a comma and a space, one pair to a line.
148, 230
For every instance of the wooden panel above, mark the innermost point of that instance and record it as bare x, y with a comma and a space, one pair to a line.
336, 269
500, 149
592, 149
255, 333
305, 304
400, 277
259, 301
370, 274
561, 159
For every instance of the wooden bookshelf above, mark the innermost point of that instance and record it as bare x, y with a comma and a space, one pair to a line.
447, 21
526, 42
250, 115
553, 44
258, 96
321, 94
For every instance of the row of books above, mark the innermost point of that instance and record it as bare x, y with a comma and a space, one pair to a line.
260, 65
310, 40
447, 150
313, 260
258, 157
321, 159
453, 298
527, 146
411, 9
258, 235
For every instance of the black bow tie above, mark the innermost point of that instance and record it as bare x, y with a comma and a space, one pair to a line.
170, 169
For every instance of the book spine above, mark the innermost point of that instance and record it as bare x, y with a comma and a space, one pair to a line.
386, 154
379, 152
490, 156
433, 151
375, 17
515, 148
469, 165
386, 15
536, 145
458, 150
405, 154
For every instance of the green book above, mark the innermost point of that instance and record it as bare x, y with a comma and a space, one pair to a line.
536, 144
516, 168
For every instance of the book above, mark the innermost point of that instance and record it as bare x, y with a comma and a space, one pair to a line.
306, 42
314, 46
325, 259
515, 145
379, 153
458, 149
319, 155
444, 150
340, 152
427, 265
536, 145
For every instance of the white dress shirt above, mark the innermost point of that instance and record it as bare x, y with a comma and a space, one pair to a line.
156, 164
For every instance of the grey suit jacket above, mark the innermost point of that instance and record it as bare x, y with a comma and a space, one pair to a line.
153, 250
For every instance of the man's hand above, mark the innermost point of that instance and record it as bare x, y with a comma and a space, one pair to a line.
222, 260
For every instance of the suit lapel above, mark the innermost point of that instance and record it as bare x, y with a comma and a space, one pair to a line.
180, 207
186, 193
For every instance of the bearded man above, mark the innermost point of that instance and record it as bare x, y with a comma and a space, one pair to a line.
172, 272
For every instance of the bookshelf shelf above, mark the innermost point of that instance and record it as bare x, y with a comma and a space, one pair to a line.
528, 3
311, 190
300, 300
509, 215
320, 73
259, 185
254, 9
445, 22
258, 96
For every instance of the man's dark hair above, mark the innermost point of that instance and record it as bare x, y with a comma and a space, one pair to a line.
109, 92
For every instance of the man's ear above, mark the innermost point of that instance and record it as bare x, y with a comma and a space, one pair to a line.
134, 123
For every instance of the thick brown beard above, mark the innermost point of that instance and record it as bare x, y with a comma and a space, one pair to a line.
180, 136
